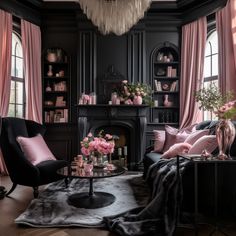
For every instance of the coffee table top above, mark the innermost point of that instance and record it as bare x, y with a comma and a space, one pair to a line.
76, 172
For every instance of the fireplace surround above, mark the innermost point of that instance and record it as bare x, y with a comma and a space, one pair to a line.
131, 119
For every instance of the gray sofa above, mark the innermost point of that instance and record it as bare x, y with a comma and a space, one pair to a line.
226, 181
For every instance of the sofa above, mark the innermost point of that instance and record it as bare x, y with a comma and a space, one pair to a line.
206, 197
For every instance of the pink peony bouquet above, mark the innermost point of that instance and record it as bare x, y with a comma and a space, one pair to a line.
227, 111
103, 144
134, 93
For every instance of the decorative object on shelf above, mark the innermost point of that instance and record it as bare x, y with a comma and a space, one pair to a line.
48, 88
98, 146
130, 93
212, 100
165, 87
166, 101
90, 99
50, 73
51, 56
48, 103
114, 16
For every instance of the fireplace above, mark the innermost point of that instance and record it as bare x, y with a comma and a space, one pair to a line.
126, 121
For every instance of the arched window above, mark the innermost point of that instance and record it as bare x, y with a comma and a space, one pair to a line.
211, 66
17, 96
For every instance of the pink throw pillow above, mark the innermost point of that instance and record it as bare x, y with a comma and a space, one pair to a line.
207, 142
193, 137
174, 135
159, 140
177, 149
35, 149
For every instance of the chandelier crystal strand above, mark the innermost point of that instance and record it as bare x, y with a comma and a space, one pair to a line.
114, 16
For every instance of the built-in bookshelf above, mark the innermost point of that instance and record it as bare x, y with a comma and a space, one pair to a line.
56, 86
165, 84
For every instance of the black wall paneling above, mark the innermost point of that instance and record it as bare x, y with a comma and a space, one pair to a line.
87, 71
136, 56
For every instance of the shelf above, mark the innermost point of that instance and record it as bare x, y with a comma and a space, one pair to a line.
156, 77
165, 92
54, 107
55, 92
56, 63
55, 77
167, 63
162, 107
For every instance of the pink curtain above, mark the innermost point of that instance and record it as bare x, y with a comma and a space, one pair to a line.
226, 28
193, 43
5, 69
31, 43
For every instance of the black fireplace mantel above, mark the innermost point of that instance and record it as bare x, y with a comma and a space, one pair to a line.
131, 117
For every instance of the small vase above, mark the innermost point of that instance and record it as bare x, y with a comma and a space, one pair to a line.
225, 134
50, 73
138, 100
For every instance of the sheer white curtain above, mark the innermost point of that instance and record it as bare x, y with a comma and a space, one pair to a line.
31, 44
193, 43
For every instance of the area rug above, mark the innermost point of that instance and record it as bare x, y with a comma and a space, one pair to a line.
51, 209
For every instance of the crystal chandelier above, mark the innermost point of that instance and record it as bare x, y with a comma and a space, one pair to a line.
114, 16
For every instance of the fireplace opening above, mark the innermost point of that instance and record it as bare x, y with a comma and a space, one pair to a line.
121, 153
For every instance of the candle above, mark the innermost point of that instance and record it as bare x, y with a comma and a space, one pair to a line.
119, 151
125, 150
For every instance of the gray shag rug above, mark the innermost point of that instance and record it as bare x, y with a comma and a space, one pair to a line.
51, 209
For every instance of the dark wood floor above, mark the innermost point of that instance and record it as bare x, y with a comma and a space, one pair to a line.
12, 207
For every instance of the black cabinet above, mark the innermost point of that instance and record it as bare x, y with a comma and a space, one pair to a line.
56, 86
165, 84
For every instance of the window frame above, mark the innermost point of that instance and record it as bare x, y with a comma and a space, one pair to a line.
16, 31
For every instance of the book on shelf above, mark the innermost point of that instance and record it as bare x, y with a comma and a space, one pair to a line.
173, 86
173, 72
169, 71
157, 85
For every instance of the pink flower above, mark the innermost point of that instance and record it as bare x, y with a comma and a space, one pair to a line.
85, 151
90, 135
125, 81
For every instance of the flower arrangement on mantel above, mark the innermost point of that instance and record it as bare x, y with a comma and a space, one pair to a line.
103, 144
136, 94
211, 99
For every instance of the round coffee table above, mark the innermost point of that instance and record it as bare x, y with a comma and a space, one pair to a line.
90, 199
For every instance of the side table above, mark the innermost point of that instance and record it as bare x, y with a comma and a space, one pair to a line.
216, 165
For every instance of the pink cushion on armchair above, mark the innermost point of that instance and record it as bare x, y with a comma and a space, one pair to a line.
35, 149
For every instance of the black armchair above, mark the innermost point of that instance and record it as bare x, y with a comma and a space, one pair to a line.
20, 169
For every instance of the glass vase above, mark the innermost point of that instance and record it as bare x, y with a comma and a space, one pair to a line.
225, 134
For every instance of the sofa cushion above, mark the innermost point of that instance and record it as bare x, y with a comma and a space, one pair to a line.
174, 135
35, 149
207, 142
176, 149
159, 140
193, 137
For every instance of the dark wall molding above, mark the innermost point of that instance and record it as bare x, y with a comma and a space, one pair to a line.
24, 10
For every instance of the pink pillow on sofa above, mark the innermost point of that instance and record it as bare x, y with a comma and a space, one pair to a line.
193, 137
174, 135
207, 142
159, 140
179, 148
35, 149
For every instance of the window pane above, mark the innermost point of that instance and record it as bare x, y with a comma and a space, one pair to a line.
214, 42
208, 49
19, 110
16, 46
215, 65
12, 95
19, 92
13, 68
19, 67
207, 67
11, 111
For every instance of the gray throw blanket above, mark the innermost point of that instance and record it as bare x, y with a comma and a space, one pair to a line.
159, 216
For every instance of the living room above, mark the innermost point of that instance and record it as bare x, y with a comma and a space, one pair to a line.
147, 81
